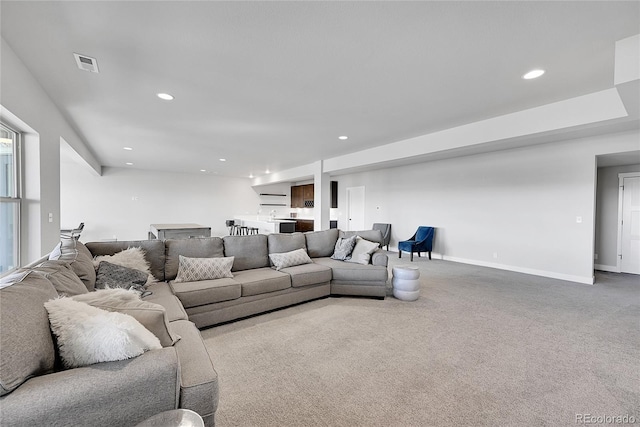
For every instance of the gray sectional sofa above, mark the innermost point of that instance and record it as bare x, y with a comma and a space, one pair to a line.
36, 391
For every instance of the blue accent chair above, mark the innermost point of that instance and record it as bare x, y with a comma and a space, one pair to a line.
421, 241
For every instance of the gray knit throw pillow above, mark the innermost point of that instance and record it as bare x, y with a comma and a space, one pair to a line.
344, 247
116, 276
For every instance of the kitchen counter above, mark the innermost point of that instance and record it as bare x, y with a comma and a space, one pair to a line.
265, 224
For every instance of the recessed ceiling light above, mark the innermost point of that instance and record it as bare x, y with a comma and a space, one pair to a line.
267, 171
129, 164
223, 160
533, 74
203, 170
165, 96
250, 175
127, 148
343, 137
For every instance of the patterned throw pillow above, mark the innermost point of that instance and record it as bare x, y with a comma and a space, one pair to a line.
196, 269
289, 259
344, 247
116, 276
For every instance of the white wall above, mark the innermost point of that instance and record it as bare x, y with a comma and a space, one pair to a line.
607, 215
107, 207
521, 204
27, 107
279, 211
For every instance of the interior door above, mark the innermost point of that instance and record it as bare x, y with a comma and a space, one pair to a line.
355, 208
630, 235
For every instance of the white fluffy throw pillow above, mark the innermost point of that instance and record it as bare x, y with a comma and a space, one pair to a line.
88, 335
152, 316
130, 258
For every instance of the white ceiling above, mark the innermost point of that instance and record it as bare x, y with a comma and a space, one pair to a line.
271, 85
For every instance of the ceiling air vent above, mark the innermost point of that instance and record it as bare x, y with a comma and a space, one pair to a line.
86, 63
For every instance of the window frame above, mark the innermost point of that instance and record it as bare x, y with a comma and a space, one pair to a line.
16, 198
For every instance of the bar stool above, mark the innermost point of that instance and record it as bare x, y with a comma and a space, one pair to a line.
243, 230
231, 224
252, 230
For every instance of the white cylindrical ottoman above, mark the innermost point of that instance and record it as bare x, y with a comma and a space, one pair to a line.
406, 282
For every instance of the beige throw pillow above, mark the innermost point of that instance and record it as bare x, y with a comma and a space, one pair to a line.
362, 251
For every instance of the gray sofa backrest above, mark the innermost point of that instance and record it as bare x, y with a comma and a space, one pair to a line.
154, 252
286, 242
370, 235
79, 258
321, 243
249, 251
202, 247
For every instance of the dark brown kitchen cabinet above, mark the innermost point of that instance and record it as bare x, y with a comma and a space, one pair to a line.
304, 225
297, 200
307, 192
302, 196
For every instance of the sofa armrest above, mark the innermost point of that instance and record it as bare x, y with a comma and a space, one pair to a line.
198, 378
379, 257
125, 392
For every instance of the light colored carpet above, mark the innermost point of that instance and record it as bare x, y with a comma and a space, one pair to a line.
481, 347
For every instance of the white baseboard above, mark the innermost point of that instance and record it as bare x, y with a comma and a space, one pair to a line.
609, 268
587, 280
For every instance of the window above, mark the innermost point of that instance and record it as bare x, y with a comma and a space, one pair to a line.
9, 198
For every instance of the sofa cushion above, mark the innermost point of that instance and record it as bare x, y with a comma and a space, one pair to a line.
195, 269
79, 258
62, 277
154, 252
201, 247
370, 235
289, 259
152, 316
249, 251
345, 271
362, 251
117, 276
321, 243
162, 294
87, 335
193, 294
261, 281
308, 274
26, 344
286, 242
